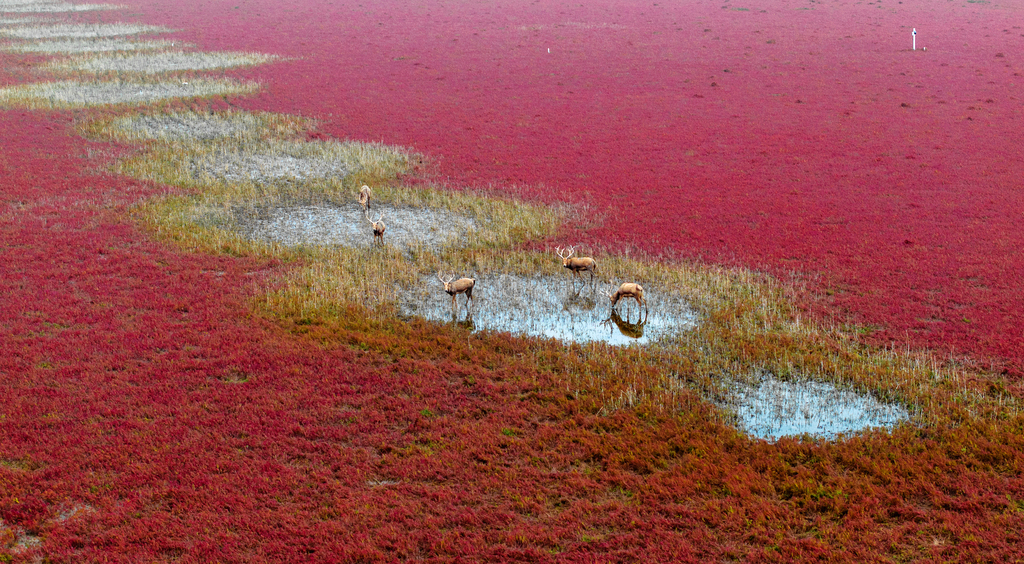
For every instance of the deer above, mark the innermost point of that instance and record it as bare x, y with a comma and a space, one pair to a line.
364, 197
631, 330
577, 264
378, 227
460, 286
629, 290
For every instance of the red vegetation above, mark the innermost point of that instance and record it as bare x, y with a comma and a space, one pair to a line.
795, 136
147, 416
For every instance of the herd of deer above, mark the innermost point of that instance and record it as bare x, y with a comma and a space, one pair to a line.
453, 287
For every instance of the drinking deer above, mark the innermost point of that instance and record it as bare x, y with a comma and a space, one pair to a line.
577, 264
364, 197
629, 290
460, 286
378, 227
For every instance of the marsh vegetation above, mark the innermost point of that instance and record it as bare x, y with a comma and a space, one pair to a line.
81, 94
296, 379
253, 187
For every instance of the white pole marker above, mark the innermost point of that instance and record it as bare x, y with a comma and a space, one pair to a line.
914, 34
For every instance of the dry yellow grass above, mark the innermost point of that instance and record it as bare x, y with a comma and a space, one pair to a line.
89, 45
127, 63
79, 94
19, 21
80, 30
186, 126
55, 7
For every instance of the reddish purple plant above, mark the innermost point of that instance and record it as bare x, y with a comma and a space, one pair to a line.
148, 415
806, 140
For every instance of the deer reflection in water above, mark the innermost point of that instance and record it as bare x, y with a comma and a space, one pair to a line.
577, 303
466, 323
628, 329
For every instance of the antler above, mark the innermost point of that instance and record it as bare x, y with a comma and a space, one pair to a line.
443, 281
558, 251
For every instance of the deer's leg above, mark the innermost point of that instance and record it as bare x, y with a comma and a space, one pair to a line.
640, 303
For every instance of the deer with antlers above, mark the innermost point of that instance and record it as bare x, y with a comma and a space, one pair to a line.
629, 290
364, 197
378, 227
577, 264
460, 286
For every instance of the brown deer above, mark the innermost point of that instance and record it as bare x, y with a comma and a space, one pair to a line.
378, 227
460, 286
577, 264
628, 329
364, 197
629, 290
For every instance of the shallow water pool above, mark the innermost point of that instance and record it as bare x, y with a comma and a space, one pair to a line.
775, 408
549, 306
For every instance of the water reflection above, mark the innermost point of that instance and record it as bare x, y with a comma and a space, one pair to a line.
775, 408
631, 330
575, 303
466, 323
548, 306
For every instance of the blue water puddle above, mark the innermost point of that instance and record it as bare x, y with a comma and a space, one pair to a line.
548, 306
774, 408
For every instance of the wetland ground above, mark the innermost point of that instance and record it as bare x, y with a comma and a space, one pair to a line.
844, 191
